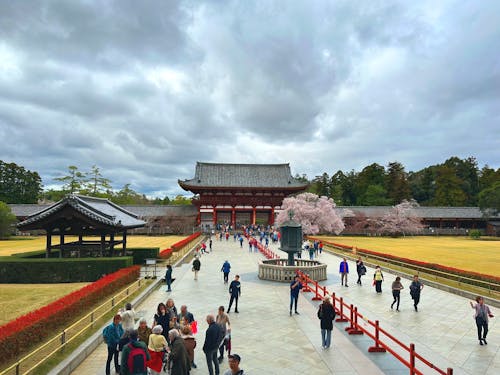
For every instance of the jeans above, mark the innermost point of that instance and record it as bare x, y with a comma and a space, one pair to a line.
112, 352
343, 278
169, 282
212, 357
292, 300
326, 337
396, 294
378, 286
482, 327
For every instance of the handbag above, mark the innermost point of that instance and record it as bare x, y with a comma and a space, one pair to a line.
194, 327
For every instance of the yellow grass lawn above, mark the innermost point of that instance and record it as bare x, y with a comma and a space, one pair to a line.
13, 246
19, 299
459, 252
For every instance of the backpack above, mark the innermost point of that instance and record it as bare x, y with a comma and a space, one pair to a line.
136, 360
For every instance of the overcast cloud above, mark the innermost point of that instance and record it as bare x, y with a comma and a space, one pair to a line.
144, 89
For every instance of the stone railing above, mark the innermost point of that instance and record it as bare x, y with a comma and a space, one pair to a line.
278, 270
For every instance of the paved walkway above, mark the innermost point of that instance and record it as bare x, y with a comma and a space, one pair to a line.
271, 342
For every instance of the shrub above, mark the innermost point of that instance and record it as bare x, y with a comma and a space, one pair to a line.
166, 253
140, 254
22, 333
475, 234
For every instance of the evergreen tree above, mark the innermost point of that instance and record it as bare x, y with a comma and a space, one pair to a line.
398, 188
448, 188
74, 181
18, 185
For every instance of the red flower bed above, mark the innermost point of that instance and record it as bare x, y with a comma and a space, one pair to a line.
434, 266
166, 253
20, 334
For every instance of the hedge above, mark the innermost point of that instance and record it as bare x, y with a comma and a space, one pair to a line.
64, 270
141, 253
21, 334
166, 253
37, 254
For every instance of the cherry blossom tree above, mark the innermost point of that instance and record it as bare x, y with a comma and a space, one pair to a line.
402, 219
315, 214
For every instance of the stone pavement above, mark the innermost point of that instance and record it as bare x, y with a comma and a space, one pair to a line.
271, 342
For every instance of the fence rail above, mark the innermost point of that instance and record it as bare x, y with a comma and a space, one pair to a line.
29, 363
383, 340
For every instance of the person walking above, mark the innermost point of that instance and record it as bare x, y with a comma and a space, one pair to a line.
416, 287
295, 287
210, 242
481, 315
196, 267
111, 335
168, 277
360, 269
344, 271
189, 343
178, 356
326, 314
241, 240
396, 292
226, 268
378, 277
135, 355
235, 293
222, 319
211, 345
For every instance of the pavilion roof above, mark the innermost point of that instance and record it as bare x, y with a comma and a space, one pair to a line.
220, 175
98, 210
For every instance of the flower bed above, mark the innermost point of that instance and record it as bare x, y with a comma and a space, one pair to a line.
433, 266
22, 333
166, 253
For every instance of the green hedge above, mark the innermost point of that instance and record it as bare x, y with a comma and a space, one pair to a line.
66, 270
141, 253
37, 254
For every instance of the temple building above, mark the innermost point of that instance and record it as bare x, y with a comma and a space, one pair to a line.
239, 194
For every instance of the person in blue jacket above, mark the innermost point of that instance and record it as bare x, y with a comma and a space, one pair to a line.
111, 335
226, 268
295, 287
344, 271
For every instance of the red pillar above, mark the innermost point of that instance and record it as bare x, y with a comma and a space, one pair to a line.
233, 218
271, 219
254, 215
214, 216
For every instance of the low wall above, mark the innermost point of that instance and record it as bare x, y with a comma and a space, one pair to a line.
278, 270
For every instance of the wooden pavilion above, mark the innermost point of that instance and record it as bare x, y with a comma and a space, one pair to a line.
82, 216
239, 194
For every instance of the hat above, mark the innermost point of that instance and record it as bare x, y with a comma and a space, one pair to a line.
235, 357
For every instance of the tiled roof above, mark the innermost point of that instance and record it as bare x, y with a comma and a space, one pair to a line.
424, 212
97, 209
242, 175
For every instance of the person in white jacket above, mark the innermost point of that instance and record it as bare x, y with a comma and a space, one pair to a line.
128, 317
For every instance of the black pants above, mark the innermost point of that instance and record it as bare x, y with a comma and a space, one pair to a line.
416, 299
482, 328
233, 298
226, 277
396, 294
112, 352
378, 286
359, 278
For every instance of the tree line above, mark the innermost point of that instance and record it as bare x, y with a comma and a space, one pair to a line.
456, 182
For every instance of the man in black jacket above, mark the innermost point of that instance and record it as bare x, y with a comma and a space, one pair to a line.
212, 341
234, 292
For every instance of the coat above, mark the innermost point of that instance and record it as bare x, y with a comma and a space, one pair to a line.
190, 344
125, 353
326, 314
181, 365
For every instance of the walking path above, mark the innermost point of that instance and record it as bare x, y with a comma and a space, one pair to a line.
271, 342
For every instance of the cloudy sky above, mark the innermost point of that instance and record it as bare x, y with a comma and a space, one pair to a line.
144, 89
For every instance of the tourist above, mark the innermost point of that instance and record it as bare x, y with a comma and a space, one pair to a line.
196, 267
344, 271
326, 313
226, 268
128, 317
311, 253
241, 241
378, 277
416, 287
211, 345
210, 244
144, 331
162, 318
360, 269
222, 319
111, 335
234, 365
185, 317
396, 292
135, 355
189, 343
235, 293
482, 314
171, 311
168, 277
157, 346
295, 287
178, 356
320, 247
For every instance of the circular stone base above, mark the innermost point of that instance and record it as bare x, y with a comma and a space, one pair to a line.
279, 270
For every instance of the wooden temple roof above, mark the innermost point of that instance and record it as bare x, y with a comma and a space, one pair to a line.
100, 211
242, 176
